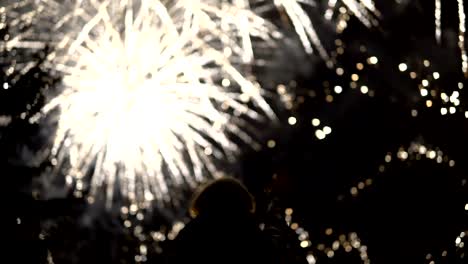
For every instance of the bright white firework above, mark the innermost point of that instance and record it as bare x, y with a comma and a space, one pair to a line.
151, 90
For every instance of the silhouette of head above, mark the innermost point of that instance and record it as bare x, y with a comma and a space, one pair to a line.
225, 196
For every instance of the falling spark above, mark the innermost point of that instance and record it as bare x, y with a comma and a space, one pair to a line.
438, 30
461, 36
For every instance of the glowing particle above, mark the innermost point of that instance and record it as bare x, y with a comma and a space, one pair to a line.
424, 92
413, 75
305, 244
6, 85
425, 83
373, 60
329, 98
320, 134
364, 89
18, 221
460, 85
443, 111
436, 75
360, 66
388, 158
292, 120
429, 103
225, 82
427, 63
316, 122
339, 71
354, 77
452, 110
271, 143
288, 211
311, 259
466, 207
414, 113
403, 67
451, 163
327, 130
329, 231
354, 191
338, 89
431, 154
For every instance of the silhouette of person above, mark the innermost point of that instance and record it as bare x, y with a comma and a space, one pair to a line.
223, 228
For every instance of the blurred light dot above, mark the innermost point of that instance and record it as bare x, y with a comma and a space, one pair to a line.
208, 151
388, 158
292, 120
127, 223
455, 94
369, 182
466, 114
466, 207
361, 185
403, 155
402, 67
288, 211
6, 85
320, 134
436, 75
364, 89
305, 244
429, 103
431, 154
414, 113
354, 191
452, 110
413, 75
315, 122
353, 85
327, 130
458, 240
425, 83
271, 143
460, 85
338, 89
311, 259
373, 60
354, 77
424, 92
329, 98
18, 221
281, 89
225, 82
427, 63
294, 226
330, 254
360, 66
339, 71
328, 231
443, 111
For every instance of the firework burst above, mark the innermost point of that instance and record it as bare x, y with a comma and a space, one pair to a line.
154, 94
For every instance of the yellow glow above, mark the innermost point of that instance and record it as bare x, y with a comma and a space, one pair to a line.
429, 103
271, 143
315, 122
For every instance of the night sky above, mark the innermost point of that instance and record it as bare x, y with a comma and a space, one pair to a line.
367, 162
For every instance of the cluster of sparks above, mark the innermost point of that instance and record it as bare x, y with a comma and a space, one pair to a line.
154, 93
